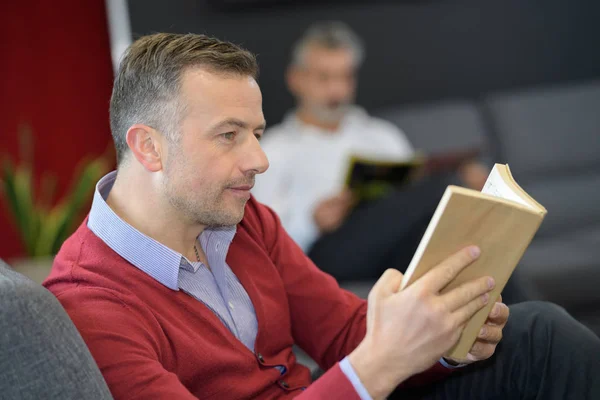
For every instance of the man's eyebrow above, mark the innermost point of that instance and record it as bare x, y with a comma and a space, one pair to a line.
238, 123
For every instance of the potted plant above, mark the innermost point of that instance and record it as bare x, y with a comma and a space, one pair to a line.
42, 223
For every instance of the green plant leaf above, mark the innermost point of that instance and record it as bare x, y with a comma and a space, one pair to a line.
52, 224
78, 197
10, 195
43, 228
26, 207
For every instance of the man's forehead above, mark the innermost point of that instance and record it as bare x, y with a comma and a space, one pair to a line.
209, 77
257, 123
209, 90
317, 51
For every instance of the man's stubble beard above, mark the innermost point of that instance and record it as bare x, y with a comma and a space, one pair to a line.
207, 208
330, 115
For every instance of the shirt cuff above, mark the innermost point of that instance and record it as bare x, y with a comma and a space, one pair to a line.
445, 364
347, 369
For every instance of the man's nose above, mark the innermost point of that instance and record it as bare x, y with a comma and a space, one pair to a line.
255, 158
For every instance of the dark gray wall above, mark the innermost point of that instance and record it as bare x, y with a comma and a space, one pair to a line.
416, 50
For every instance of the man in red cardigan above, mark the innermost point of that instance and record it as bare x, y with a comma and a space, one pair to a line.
184, 287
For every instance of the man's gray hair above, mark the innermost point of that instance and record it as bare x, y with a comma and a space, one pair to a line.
148, 82
330, 35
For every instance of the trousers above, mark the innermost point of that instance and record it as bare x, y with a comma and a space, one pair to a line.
544, 354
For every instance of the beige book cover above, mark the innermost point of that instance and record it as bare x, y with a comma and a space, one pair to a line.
501, 219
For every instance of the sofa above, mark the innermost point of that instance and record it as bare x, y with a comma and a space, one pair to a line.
551, 139
42, 355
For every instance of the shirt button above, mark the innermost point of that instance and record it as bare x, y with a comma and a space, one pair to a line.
284, 384
231, 305
260, 358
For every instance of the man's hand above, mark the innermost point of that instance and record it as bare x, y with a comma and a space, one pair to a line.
473, 174
490, 334
409, 330
330, 213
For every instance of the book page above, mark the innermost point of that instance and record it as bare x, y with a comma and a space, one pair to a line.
496, 186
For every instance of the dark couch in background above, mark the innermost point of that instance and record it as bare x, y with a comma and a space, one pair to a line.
416, 51
550, 137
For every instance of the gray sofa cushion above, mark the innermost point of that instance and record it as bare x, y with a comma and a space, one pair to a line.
573, 202
548, 131
42, 355
566, 269
440, 127
551, 139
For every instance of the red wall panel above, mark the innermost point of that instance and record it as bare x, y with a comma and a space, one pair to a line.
55, 76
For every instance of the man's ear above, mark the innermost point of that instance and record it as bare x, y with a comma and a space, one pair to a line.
293, 79
145, 144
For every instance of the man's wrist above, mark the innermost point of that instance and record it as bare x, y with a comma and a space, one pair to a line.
373, 374
451, 364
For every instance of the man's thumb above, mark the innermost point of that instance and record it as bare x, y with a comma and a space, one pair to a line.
389, 283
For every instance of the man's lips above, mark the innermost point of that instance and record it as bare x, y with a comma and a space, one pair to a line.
242, 187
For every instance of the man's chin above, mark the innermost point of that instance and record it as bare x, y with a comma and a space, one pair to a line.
329, 116
240, 215
235, 213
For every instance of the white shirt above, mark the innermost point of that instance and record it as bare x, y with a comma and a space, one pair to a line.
308, 164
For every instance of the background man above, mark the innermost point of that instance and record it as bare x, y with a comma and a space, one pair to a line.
310, 151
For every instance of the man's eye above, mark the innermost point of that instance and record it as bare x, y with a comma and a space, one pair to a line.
228, 135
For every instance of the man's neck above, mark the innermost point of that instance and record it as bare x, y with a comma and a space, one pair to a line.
307, 118
132, 198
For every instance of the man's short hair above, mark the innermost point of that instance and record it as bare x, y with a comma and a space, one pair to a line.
147, 86
330, 35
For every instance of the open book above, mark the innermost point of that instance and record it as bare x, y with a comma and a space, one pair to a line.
371, 178
501, 219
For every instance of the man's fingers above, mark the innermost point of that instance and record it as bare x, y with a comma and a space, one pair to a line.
499, 314
387, 284
344, 198
490, 334
464, 313
436, 279
466, 292
481, 351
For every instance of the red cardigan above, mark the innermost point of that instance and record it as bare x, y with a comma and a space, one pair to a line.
151, 342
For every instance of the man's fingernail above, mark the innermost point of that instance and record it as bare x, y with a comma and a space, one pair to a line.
486, 298
475, 252
482, 331
491, 283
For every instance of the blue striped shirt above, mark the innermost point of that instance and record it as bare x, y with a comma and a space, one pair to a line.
218, 287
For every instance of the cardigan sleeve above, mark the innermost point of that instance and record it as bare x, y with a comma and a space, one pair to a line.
332, 385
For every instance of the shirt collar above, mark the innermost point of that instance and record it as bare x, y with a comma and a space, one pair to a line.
145, 253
